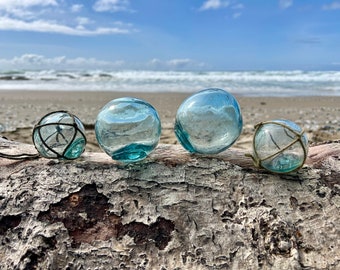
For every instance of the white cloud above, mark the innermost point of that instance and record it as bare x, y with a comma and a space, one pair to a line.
54, 27
332, 6
237, 10
30, 60
8, 4
155, 62
34, 61
180, 63
56, 16
219, 4
82, 62
76, 8
176, 64
83, 20
111, 5
22, 8
285, 3
40, 62
214, 4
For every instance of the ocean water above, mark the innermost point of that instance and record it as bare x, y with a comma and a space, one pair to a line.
245, 83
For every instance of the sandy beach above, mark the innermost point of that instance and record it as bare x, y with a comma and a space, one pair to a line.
21, 110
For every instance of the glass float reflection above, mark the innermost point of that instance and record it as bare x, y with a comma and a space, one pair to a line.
208, 122
128, 129
279, 146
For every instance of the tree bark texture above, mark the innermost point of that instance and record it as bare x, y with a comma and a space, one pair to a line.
172, 211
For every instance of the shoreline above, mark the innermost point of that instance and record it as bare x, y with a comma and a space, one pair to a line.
21, 110
57, 92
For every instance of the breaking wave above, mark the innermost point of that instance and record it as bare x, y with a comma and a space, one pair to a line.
248, 83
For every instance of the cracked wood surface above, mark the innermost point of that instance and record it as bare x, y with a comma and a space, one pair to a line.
171, 211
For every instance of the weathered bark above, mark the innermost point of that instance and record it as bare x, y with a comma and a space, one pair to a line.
172, 211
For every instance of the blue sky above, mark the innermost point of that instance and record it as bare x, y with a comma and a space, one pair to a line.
170, 34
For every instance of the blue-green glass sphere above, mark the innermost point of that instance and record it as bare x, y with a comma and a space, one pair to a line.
128, 129
59, 135
280, 146
208, 122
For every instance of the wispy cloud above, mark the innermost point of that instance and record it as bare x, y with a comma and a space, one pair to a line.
236, 15
234, 6
283, 4
76, 8
308, 40
112, 5
55, 27
83, 21
38, 16
332, 6
237, 6
176, 64
214, 4
34, 61
12, 4
180, 63
23, 7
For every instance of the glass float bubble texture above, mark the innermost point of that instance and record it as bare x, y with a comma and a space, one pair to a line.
208, 122
128, 129
59, 135
279, 146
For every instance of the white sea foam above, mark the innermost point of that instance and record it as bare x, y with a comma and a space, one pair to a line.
251, 83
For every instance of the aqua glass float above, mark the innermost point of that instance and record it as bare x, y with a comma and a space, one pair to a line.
279, 146
128, 129
208, 122
59, 135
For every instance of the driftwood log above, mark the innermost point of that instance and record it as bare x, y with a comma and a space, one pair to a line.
172, 211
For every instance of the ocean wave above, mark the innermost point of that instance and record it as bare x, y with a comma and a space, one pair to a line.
294, 82
13, 78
